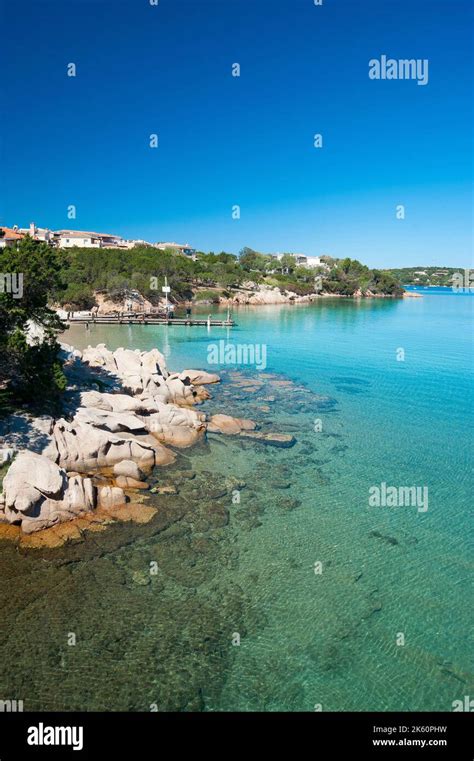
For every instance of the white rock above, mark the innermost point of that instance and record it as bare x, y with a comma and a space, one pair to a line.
129, 469
228, 425
82, 447
110, 421
180, 392
138, 371
6, 455
96, 400
79, 496
43, 424
111, 496
30, 473
22, 499
120, 402
129, 369
199, 377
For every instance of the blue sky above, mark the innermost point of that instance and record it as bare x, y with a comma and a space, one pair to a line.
225, 140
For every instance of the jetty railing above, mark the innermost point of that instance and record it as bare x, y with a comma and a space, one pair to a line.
134, 318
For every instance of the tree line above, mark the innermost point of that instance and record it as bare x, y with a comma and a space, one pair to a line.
87, 271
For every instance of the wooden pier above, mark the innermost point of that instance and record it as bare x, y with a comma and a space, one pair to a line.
148, 319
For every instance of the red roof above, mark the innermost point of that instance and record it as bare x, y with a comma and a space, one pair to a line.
11, 234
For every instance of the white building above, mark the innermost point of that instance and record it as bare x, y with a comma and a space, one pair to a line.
311, 262
112, 241
84, 239
71, 238
139, 242
38, 233
178, 248
66, 238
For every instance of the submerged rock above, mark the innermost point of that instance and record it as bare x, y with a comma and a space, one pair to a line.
289, 504
384, 537
165, 489
283, 440
229, 425
125, 482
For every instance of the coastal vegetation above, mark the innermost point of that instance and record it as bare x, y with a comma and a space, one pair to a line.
30, 371
441, 276
114, 272
349, 276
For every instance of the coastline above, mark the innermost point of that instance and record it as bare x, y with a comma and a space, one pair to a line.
265, 296
268, 296
94, 465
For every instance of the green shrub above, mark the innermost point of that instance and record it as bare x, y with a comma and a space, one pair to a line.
207, 295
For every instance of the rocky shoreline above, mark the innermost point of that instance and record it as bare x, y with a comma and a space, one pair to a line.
124, 415
171, 577
253, 294
249, 294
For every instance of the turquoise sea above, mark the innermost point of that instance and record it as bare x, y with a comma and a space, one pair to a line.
306, 598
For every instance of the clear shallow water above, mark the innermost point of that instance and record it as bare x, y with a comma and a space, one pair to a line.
306, 639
